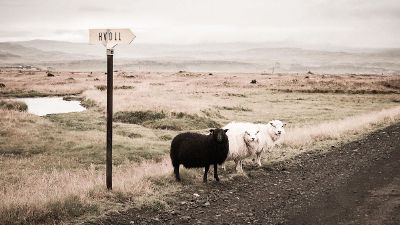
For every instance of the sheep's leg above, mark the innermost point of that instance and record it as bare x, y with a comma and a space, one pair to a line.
176, 171
237, 165
216, 172
258, 158
205, 173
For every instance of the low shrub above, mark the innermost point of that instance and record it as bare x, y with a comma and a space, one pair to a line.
101, 87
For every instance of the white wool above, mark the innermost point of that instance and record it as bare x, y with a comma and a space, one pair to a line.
241, 144
275, 129
265, 139
267, 136
270, 135
243, 141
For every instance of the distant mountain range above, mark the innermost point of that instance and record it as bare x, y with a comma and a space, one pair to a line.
229, 57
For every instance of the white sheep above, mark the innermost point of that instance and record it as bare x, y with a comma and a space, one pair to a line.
267, 135
270, 134
243, 142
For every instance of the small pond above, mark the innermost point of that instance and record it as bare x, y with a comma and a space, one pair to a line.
51, 105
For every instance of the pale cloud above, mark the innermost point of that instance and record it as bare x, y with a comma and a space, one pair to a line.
352, 23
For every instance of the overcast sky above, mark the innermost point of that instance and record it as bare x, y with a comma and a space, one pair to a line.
350, 23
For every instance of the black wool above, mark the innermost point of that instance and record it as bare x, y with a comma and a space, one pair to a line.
194, 150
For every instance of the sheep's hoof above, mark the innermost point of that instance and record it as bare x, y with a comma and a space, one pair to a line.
217, 179
241, 173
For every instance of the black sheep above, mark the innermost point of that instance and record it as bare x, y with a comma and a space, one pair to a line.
194, 150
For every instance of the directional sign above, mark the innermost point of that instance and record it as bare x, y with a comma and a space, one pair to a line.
110, 37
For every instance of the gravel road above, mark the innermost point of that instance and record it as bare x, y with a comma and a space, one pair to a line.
357, 183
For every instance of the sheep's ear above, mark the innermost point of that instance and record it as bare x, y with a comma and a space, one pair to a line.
211, 130
226, 130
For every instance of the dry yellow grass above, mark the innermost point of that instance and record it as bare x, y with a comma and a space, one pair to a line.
39, 189
207, 91
33, 196
53, 165
131, 181
306, 135
320, 136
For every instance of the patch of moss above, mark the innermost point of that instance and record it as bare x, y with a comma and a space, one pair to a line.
72, 98
88, 103
166, 137
129, 134
138, 117
237, 95
123, 87
14, 105
160, 120
101, 87
235, 108
17, 93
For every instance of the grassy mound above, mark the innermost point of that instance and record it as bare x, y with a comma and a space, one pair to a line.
13, 105
161, 120
85, 102
393, 84
138, 117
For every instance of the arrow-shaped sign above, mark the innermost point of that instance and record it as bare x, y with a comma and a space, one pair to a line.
110, 37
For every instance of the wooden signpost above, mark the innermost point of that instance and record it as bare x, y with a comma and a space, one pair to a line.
110, 38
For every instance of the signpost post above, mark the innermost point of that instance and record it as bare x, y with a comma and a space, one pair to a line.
110, 38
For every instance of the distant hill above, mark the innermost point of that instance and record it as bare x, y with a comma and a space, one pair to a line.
230, 57
17, 53
65, 47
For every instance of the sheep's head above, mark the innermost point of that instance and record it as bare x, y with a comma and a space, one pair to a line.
219, 135
251, 136
276, 129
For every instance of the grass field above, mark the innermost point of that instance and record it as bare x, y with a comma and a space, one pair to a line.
52, 167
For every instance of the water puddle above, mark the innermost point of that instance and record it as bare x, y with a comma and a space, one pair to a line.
51, 105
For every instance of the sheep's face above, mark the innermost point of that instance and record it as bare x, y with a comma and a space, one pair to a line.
251, 136
219, 135
277, 128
